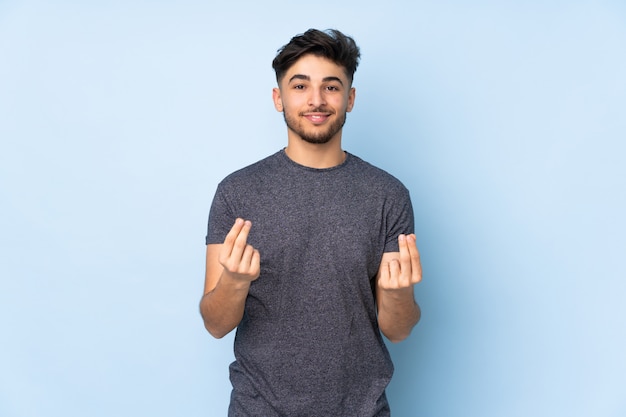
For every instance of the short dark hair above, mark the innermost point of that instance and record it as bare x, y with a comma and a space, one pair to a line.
330, 44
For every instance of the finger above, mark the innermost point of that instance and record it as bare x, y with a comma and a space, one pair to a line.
416, 265
246, 259
404, 277
240, 242
229, 241
395, 271
255, 264
383, 275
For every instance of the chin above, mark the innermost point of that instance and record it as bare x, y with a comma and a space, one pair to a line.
316, 140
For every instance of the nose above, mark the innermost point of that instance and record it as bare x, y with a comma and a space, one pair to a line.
316, 98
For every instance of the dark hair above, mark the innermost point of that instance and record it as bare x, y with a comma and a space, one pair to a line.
330, 44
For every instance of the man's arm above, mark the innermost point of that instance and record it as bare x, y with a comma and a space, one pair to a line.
399, 272
230, 268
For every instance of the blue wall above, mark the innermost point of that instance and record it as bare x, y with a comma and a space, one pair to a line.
505, 120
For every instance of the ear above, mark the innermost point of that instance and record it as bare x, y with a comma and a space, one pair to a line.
351, 97
278, 101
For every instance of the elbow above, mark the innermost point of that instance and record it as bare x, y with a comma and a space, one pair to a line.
213, 327
216, 330
397, 337
211, 324
216, 333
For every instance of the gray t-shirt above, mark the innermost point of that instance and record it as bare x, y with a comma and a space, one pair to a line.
309, 343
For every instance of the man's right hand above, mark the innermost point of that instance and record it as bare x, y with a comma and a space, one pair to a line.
240, 260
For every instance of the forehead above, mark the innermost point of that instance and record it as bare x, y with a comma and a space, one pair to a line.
316, 67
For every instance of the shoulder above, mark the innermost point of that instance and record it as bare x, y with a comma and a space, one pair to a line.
375, 177
253, 171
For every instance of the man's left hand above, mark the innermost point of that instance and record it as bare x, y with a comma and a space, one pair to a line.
403, 269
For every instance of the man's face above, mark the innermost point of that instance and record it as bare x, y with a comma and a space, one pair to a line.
314, 96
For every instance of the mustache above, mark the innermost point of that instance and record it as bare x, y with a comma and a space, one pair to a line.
318, 110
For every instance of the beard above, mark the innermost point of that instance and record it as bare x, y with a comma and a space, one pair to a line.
321, 135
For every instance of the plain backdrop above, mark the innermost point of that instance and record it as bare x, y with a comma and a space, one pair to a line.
505, 119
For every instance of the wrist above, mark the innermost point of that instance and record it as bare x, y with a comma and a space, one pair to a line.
234, 281
399, 294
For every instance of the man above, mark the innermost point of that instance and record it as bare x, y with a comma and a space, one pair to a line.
311, 254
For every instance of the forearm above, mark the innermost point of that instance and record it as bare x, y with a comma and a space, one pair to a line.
222, 308
398, 313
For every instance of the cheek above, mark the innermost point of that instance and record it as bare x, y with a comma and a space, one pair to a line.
290, 104
341, 102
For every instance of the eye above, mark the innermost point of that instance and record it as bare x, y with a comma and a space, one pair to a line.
298, 87
332, 88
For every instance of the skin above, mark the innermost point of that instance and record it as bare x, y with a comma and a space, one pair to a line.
230, 268
314, 95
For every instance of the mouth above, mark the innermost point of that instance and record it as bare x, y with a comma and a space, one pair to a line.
316, 118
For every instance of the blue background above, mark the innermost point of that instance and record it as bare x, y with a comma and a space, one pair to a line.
506, 120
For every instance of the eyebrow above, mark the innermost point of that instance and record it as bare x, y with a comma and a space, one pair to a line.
307, 78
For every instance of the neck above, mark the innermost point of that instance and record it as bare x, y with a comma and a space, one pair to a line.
314, 155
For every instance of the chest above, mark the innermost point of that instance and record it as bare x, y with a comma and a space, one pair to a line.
333, 228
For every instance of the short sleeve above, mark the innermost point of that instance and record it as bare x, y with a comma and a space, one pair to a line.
399, 219
221, 218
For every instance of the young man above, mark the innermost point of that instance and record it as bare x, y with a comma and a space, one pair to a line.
311, 254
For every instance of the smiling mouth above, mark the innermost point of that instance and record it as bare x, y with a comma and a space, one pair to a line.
316, 117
